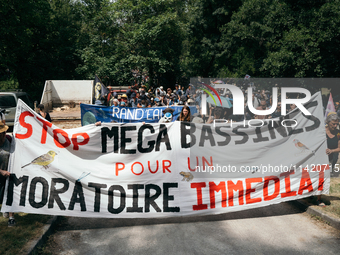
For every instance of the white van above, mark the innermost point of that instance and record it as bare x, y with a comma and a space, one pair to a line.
8, 102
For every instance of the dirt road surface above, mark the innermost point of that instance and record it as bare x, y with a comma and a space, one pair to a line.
275, 229
66, 119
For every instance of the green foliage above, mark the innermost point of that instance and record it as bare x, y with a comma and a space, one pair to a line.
286, 38
9, 84
204, 44
132, 35
166, 40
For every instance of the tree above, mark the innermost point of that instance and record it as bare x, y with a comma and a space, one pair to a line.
206, 18
285, 38
37, 41
134, 35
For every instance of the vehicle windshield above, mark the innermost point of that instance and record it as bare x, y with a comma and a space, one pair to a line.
25, 99
7, 101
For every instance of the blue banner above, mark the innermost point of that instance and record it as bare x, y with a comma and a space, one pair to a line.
92, 113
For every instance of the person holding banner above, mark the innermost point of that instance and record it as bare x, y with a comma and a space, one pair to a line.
44, 114
2, 116
168, 115
333, 143
5, 146
185, 114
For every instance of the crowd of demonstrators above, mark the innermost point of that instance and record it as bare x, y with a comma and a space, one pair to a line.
140, 97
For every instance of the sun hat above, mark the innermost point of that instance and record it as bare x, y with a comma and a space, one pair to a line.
3, 127
168, 110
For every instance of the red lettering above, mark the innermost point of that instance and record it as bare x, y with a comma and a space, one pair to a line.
25, 125
235, 187
75, 140
198, 186
166, 167
322, 176
216, 188
249, 190
44, 131
276, 180
305, 182
119, 168
189, 167
140, 165
153, 172
288, 192
56, 138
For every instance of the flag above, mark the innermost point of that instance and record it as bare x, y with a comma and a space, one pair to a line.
99, 89
330, 106
247, 77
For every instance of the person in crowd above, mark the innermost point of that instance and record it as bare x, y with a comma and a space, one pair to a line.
156, 102
5, 146
185, 114
182, 100
129, 92
277, 112
333, 145
125, 100
172, 100
43, 113
163, 101
337, 108
263, 95
198, 117
115, 102
152, 102
189, 90
291, 107
333, 142
2, 116
159, 91
122, 104
143, 96
178, 92
263, 106
190, 102
142, 104
256, 100
133, 100
168, 115
168, 92
215, 113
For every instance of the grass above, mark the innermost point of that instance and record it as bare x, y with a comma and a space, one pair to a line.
28, 227
332, 200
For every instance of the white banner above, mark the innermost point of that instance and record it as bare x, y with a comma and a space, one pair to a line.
162, 170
